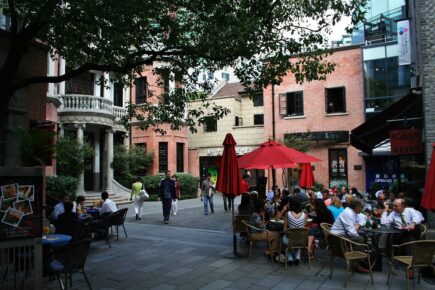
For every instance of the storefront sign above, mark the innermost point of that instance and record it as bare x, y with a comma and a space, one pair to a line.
403, 42
20, 207
220, 151
406, 142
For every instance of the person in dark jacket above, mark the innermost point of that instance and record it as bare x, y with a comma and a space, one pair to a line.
68, 214
167, 195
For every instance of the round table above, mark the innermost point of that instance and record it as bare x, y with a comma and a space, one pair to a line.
56, 240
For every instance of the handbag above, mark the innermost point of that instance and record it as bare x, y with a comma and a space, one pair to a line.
143, 194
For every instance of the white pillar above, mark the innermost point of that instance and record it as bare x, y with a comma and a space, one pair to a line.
109, 159
61, 129
50, 73
97, 175
61, 72
106, 90
81, 188
126, 141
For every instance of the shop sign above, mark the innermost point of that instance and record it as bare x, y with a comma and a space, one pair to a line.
406, 142
220, 151
403, 42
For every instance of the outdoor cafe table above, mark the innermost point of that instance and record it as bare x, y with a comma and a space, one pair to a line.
374, 234
56, 240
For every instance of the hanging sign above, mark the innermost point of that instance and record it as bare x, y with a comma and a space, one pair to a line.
406, 142
404, 42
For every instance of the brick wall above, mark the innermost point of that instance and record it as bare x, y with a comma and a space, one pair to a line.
348, 73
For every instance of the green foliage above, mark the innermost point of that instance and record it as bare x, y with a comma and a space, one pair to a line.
256, 37
318, 186
127, 164
189, 185
58, 185
71, 156
299, 141
36, 146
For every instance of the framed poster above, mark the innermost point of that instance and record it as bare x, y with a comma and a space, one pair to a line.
21, 192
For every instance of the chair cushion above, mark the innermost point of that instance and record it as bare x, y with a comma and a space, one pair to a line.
355, 255
56, 266
407, 260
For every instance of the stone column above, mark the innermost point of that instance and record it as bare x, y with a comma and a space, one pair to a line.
126, 141
61, 129
61, 72
81, 188
109, 159
97, 175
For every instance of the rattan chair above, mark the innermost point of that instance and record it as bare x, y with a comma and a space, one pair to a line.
239, 226
422, 256
326, 228
252, 239
298, 239
344, 248
423, 230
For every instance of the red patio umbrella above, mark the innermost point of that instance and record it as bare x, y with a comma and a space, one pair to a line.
306, 179
428, 199
228, 180
272, 154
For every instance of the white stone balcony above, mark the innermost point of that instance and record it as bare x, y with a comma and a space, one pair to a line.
83, 104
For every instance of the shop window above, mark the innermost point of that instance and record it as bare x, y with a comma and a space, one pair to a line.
337, 167
258, 100
180, 157
291, 104
163, 157
258, 119
335, 100
141, 90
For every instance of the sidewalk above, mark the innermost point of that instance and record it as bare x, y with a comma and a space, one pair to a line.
193, 252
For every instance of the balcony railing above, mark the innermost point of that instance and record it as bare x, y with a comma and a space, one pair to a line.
91, 104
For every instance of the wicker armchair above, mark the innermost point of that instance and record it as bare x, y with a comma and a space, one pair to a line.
325, 228
344, 248
298, 239
423, 230
239, 226
422, 256
252, 239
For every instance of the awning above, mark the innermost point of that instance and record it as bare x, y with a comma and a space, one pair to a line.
398, 115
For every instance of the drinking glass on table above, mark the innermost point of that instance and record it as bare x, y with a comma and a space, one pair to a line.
45, 231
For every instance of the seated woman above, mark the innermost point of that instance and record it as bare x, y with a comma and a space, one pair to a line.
294, 218
336, 207
245, 207
323, 215
257, 220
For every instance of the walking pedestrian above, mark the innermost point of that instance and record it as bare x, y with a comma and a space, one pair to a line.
177, 195
167, 195
138, 200
207, 191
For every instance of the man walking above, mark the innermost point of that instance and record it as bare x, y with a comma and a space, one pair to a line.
167, 195
207, 191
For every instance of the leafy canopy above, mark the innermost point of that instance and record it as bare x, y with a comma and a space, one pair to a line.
256, 37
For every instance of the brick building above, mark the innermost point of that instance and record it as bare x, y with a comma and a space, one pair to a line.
327, 110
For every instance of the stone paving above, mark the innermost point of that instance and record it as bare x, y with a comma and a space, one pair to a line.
195, 252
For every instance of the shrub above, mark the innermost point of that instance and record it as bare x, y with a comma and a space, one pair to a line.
189, 185
58, 185
127, 164
71, 156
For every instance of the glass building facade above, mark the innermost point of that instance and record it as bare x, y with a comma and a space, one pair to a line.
384, 80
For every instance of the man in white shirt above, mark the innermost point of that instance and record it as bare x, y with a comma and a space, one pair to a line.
59, 209
108, 205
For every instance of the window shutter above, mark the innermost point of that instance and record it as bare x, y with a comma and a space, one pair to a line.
283, 104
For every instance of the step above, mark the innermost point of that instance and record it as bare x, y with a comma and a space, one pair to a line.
119, 200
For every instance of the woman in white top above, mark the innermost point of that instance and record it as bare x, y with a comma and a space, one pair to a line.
294, 218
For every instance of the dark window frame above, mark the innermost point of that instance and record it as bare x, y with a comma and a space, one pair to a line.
258, 100
295, 103
340, 106
163, 157
210, 125
335, 153
180, 156
118, 95
141, 85
258, 120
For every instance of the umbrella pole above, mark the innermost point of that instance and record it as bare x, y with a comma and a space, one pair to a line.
234, 228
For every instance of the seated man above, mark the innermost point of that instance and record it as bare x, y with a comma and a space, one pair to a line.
108, 205
69, 214
59, 208
348, 223
403, 218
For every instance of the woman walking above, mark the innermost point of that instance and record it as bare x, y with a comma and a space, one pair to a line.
138, 199
177, 195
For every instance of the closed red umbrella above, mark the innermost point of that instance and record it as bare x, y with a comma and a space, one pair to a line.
306, 179
272, 154
228, 180
428, 199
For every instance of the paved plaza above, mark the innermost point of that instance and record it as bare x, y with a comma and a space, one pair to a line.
194, 252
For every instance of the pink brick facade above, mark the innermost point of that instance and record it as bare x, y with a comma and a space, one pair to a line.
151, 139
348, 74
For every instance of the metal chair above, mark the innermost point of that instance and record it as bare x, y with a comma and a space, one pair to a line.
298, 239
252, 239
70, 259
422, 256
118, 219
344, 248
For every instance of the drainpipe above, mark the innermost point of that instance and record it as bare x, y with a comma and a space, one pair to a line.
273, 129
